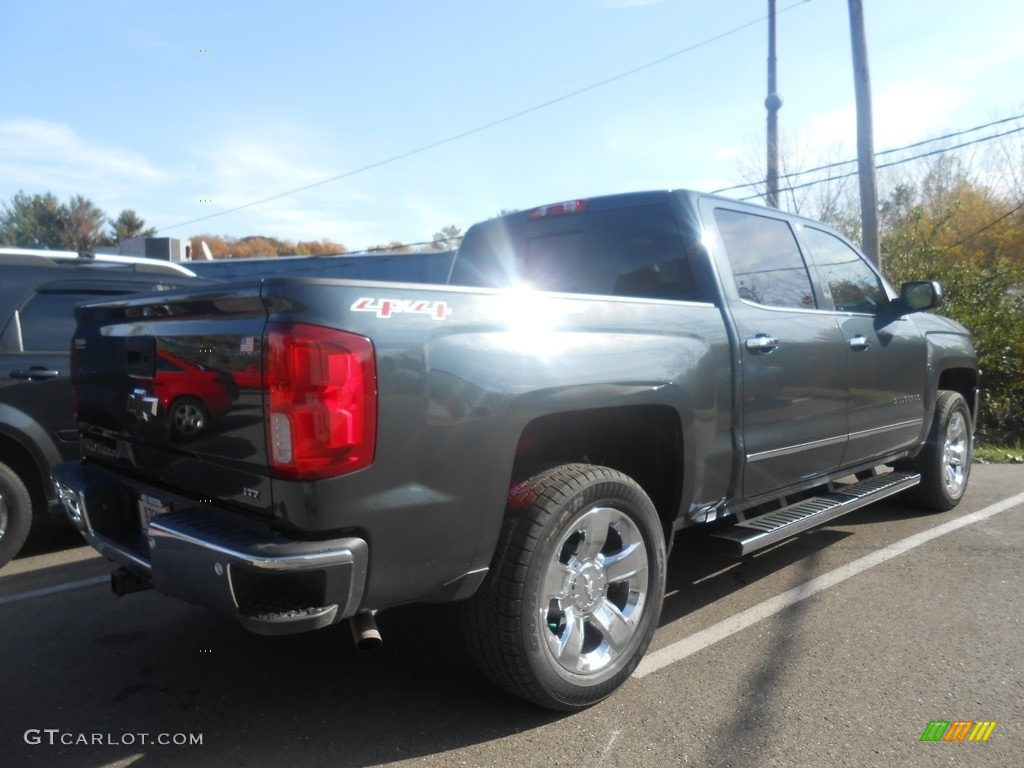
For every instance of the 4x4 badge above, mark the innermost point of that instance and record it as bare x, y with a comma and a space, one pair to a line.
141, 405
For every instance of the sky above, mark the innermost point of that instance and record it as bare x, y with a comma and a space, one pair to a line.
428, 114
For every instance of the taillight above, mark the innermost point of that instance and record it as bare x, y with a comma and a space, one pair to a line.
558, 209
320, 386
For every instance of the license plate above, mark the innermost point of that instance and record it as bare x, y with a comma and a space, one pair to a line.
150, 507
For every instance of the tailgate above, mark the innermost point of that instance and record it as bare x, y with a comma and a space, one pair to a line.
169, 388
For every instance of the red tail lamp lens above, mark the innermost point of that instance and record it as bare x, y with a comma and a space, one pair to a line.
321, 401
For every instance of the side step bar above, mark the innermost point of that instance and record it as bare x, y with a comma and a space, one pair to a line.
767, 529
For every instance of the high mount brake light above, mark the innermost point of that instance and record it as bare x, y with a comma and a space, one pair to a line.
320, 386
558, 209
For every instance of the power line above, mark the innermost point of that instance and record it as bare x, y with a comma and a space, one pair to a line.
486, 126
1006, 215
806, 184
904, 148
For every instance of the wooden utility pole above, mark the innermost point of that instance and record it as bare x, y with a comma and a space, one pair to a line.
865, 136
772, 103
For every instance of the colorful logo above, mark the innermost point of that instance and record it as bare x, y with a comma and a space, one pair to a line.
958, 730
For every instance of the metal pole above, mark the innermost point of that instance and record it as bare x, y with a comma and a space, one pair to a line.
772, 103
865, 136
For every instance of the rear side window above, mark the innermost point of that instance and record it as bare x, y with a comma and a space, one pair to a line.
766, 262
634, 251
854, 285
48, 320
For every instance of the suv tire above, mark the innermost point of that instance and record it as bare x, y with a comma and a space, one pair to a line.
15, 514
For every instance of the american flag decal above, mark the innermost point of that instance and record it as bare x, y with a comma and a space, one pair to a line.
248, 344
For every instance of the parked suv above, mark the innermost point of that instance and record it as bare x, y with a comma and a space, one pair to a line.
38, 292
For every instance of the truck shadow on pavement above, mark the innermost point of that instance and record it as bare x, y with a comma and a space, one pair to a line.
145, 664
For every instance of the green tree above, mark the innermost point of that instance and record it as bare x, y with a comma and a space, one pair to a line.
32, 221
42, 221
128, 225
952, 228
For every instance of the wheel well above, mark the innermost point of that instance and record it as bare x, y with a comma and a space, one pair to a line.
964, 381
644, 442
15, 456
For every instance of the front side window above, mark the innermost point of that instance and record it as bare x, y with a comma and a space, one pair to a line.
854, 285
766, 263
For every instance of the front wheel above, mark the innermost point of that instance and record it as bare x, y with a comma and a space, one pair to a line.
575, 590
945, 461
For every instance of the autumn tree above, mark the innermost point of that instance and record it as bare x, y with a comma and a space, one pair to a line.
393, 247
322, 247
951, 227
258, 246
447, 239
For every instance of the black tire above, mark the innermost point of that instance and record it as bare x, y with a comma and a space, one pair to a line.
945, 461
573, 595
15, 514
189, 417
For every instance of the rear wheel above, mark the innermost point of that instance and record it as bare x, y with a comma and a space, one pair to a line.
15, 514
945, 461
574, 594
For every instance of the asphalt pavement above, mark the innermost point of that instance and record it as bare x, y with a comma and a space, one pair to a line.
836, 648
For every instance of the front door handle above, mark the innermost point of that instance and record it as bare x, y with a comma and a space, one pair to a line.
762, 343
859, 343
35, 373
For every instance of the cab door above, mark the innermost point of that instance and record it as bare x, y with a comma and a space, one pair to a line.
791, 355
886, 354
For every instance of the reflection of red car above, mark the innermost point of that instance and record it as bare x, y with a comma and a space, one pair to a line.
190, 393
250, 377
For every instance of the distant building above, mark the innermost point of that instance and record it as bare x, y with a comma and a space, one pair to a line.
163, 248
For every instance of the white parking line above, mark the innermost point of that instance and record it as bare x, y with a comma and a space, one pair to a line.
67, 587
698, 641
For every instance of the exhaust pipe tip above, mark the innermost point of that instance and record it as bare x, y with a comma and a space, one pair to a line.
364, 631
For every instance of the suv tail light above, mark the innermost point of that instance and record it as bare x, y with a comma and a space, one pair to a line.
320, 388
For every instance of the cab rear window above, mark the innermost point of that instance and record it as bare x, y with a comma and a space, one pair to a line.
635, 251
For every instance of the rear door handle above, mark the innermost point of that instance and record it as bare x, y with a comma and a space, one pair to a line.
859, 343
35, 373
762, 343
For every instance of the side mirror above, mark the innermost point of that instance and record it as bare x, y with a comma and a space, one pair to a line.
919, 296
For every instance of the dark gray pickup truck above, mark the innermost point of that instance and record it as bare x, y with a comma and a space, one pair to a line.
597, 375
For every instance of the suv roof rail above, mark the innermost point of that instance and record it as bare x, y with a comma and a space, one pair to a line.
38, 257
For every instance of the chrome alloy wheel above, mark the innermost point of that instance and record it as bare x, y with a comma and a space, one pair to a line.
595, 590
955, 454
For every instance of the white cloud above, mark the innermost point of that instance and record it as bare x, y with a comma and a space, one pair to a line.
902, 113
242, 167
44, 154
